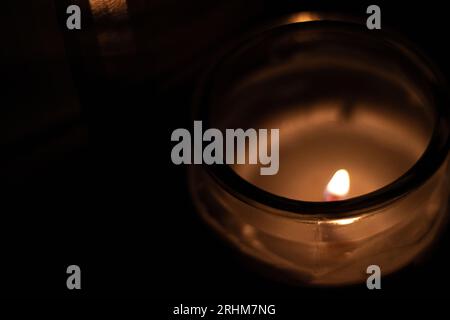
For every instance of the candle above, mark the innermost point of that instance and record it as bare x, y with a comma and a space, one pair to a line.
318, 140
363, 152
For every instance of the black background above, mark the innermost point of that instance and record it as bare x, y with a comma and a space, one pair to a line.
121, 210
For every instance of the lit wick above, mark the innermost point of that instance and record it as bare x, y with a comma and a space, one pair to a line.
338, 186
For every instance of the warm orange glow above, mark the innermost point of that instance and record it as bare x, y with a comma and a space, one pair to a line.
114, 8
338, 186
304, 17
343, 222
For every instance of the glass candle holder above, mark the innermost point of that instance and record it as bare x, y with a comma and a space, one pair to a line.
342, 97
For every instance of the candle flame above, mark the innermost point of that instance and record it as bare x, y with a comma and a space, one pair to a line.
338, 186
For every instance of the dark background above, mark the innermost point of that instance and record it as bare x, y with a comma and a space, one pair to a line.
122, 211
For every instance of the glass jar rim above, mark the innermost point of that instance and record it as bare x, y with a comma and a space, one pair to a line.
430, 161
